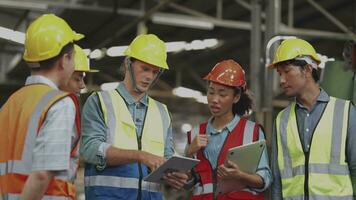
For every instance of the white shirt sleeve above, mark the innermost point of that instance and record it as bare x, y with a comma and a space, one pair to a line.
55, 138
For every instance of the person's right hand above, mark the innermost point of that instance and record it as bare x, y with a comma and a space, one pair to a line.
151, 160
200, 141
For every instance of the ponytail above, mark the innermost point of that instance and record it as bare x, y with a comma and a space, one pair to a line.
243, 106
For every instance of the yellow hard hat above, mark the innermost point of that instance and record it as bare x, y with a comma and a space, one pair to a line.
293, 48
46, 36
150, 49
81, 61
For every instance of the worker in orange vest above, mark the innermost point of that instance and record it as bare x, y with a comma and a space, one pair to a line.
38, 123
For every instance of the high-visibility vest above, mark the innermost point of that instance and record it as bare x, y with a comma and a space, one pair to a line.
245, 132
125, 181
21, 118
322, 172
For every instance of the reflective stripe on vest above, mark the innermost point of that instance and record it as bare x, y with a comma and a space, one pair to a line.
22, 120
45, 197
121, 182
122, 130
205, 189
328, 172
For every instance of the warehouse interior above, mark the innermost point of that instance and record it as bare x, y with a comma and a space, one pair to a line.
198, 34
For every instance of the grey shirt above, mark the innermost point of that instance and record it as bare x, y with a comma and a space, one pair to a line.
94, 142
307, 122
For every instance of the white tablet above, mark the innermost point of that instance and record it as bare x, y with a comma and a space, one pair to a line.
247, 156
175, 163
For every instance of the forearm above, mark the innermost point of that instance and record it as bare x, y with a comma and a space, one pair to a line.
36, 185
116, 156
252, 180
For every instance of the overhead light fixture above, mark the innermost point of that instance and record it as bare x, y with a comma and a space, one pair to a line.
175, 46
116, 51
190, 93
96, 54
182, 21
15, 36
109, 86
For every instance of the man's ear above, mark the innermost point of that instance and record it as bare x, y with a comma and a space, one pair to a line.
64, 59
308, 69
61, 62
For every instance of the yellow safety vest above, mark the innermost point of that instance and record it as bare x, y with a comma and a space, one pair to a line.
321, 173
122, 129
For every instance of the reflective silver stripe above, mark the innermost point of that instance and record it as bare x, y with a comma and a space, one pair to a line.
110, 114
151, 187
338, 119
318, 197
329, 169
205, 189
248, 133
287, 171
165, 118
318, 169
294, 198
23, 166
46, 197
120, 182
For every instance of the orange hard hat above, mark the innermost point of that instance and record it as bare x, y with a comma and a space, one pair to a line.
227, 72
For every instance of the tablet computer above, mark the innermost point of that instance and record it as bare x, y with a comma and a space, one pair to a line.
175, 163
247, 156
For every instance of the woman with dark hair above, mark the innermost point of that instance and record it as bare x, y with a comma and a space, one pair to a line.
228, 102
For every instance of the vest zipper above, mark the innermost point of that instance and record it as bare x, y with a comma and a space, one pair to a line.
139, 194
139, 144
215, 181
306, 175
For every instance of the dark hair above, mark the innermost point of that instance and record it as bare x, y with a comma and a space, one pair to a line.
301, 64
49, 63
243, 106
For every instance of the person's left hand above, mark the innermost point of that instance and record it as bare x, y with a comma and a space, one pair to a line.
229, 170
176, 179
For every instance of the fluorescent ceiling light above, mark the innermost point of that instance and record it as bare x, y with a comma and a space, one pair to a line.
116, 51
178, 46
96, 54
202, 99
189, 93
109, 86
12, 35
186, 127
175, 46
182, 21
186, 92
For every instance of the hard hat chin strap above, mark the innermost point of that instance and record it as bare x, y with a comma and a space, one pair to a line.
132, 75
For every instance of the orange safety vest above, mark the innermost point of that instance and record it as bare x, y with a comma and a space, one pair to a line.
21, 118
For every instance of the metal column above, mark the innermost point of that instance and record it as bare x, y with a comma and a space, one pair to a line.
255, 55
273, 12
